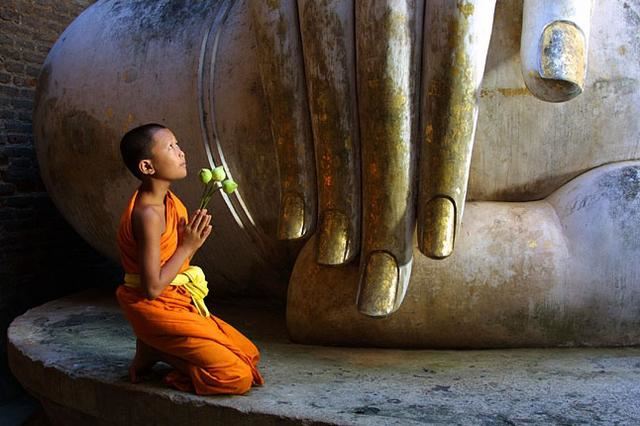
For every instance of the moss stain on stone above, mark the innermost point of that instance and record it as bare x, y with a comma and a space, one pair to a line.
507, 92
465, 8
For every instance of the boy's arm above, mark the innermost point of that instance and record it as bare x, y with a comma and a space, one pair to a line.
147, 229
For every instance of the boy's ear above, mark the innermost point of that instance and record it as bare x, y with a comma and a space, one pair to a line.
146, 167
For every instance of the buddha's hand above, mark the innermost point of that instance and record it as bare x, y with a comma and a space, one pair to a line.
354, 83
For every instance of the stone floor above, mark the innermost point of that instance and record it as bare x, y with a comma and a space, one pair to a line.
73, 354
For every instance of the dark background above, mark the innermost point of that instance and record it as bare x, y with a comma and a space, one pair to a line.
41, 256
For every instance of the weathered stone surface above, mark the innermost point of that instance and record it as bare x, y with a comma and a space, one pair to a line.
73, 354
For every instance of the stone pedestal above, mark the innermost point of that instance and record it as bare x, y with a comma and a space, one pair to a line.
73, 354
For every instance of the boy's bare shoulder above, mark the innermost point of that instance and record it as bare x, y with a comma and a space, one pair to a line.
147, 217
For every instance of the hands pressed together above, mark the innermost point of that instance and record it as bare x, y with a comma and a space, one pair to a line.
194, 233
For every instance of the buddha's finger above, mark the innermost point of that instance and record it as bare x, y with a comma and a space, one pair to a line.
388, 52
281, 70
456, 40
329, 56
554, 46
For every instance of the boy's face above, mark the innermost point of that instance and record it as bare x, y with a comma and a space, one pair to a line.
167, 160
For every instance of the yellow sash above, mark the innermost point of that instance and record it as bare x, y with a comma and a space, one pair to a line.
192, 279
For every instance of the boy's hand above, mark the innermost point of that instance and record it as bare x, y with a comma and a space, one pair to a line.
195, 233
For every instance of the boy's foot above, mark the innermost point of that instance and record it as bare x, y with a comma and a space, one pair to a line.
146, 357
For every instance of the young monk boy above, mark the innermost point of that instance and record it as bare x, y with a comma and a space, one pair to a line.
162, 296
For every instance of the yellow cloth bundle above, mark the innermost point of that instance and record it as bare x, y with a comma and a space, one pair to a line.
192, 279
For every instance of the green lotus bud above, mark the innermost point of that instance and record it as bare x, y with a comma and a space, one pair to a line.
205, 176
229, 186
218, 174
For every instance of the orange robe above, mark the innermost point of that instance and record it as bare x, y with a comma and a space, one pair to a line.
221, 360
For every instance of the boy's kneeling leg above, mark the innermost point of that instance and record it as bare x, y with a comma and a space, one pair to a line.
231, 379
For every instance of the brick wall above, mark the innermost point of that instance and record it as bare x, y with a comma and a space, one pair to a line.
38, 249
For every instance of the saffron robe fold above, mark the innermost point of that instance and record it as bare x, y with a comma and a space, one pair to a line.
221, 360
